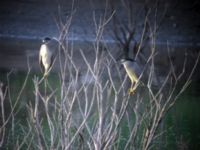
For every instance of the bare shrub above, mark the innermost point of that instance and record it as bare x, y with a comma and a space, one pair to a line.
94, 110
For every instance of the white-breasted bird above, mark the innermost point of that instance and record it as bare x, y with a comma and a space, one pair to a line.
133, 71
47, 54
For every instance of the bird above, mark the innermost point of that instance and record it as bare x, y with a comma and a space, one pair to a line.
47, 54
133, 71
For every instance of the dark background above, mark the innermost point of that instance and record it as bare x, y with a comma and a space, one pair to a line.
24, 23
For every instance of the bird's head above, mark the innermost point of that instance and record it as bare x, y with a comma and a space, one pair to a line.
46, 40
126, 60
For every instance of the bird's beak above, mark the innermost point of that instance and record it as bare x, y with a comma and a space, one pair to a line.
120, 65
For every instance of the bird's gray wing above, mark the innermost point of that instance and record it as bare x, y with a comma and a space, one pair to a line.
136, 68
53, 46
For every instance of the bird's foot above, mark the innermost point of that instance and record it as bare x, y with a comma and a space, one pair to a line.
131, 91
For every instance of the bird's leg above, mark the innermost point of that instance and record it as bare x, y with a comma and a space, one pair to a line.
133, 88
45, 74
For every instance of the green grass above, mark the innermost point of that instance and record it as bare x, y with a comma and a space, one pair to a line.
17, 127
182, 123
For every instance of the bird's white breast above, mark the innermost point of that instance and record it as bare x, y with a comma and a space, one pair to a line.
43, 50
46, 55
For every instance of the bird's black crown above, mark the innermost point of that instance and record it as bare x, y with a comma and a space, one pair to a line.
46, 39
126, 59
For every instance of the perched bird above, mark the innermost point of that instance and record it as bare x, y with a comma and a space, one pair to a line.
133, 71
47, 54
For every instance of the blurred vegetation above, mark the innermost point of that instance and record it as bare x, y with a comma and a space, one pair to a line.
181, 124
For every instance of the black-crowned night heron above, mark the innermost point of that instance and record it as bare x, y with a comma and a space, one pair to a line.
133, 71
47, 54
